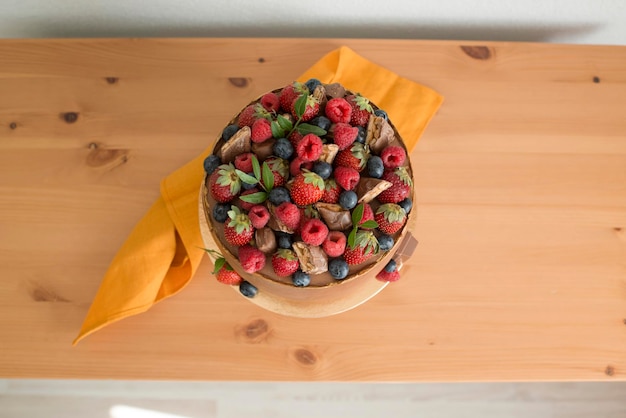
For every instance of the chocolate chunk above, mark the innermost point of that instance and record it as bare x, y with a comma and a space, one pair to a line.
329, 152
264, 149
379, 134
275, 223
336, 218
313, 260
369, 187
405, 249
238, 144
265, 240
320, 94
335, 90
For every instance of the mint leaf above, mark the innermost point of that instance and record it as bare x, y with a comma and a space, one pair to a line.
258, 197
300, 106
352, 238
284, 123
219, 263
371, 224
268, 177
306, 128
277, 130
357, 214
246, 178
256, 167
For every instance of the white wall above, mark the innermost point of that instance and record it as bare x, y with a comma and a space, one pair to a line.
570, 21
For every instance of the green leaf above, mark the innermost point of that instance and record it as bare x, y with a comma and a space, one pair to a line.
258, 197
268, 177
357, 214
284, 123
371, 224
352, 238
256, 167
300, 106
246, 178
306, 128
219, 263
277, 130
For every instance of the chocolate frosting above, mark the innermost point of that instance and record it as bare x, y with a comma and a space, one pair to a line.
265, 240
368, 188
313, 259
238, 144
336, 218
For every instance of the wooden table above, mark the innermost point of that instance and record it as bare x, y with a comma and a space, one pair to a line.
521, 177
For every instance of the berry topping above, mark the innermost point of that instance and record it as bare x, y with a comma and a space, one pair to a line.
385, 276
322, 169
288, 214
296, 166
390, 218
261, 130
375, 167
343, 134
270, 102
368, 215
251, 113
391, 266
283, 148
360, 138
311, 109
312, 83
338, 110
331, 191
309, 148
226, 275
279, 195
246, 205
365, 246
381, 113
393, 156
348, 199
224, 183
400, 185
244, 162
291, 93
354, 157
361, 109
300, 279
284, 239
285, 262
335, 244
251, 258
307, 188
314, 232
238, 231
248, 289
229, 131
220, 212
346, 177
211, 163
406, 204
338, 268
259, 216
321, 122
385, 242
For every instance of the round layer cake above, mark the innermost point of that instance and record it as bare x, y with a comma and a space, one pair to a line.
307, 196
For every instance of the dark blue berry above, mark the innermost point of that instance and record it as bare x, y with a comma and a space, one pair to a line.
322, 169
211, 163
391, 266
321, 122
248, 186
361, 135
381, 113
283, 240
312, 84
385, 242
347, 199
406, 204
283, 148
279, 195
220, 212
301, 279
248, 289
375, 167
338, 268
229, 131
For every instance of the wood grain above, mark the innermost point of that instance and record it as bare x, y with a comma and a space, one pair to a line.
521, 185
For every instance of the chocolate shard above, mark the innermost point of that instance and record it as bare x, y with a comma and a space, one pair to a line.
264, 149
329, 152
238, 144
336, 218
275, 223
405, 249
265, 240
369, 187
379, 134
313, 260
335, 90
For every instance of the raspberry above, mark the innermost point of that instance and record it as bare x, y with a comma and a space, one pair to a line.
393, 156
296, 166
346, 177
309, 148
259, 216
338, 110
288, 214
247, 205
385, 276
335, 244
344, 134
314, 232
244, 162
270, 102
251, 258
261, 130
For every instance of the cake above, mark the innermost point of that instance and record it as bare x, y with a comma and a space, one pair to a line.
306, 200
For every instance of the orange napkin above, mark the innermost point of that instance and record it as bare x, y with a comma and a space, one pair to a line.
164, 251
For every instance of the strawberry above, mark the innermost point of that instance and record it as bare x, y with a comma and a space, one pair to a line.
343, 134
365, 246
270, 102
312, 108
307, 188
225, 273
361, 110
251, 258
401, 184
290, 93
354, 157
238, 231
251, 114
309, 148
390, 218
338, 110
285, 262
224, 183
331, 191
280, 170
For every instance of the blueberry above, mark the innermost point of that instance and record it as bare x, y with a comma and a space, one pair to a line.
375, 167
322, 169
283, 240
211, 163
220, 212
406, 204
229, 131
279, 195
248, 186
347, 199
283, 148
381, 113
338, 268
301, 279
321, 122
248, 289
361, 135
312, 84
391, 266
385, 242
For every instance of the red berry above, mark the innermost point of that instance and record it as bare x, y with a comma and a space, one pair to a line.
385, 276
390, 218
280, 170
238, 230
312, 108
227, 275
242, 203
261, 130
331, 191
285, 262
401, 183
224, 183
314, 232
294, 138
270, 102
335, 244
296, 166
338, 110
368, 214
365, 246
307, 188
393, 156
354, 157
288, 214
291, 92
251, 258
344, 134
259, 216
250, 114
346, 177
244, 162
361, 110
309, 148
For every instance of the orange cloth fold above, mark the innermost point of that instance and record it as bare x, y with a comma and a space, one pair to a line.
164, 251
